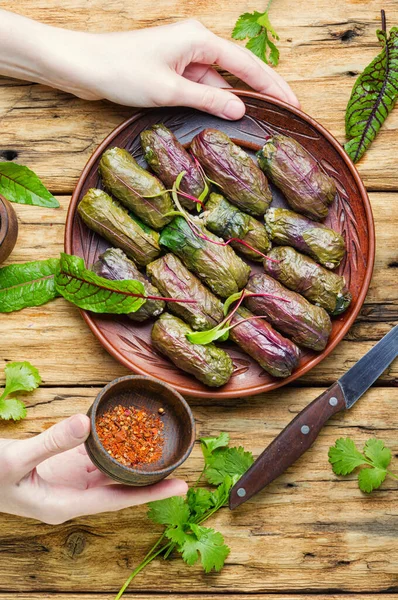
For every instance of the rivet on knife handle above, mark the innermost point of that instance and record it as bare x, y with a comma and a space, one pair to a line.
290, 444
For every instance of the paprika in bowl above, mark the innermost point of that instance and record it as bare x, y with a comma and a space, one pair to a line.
141, 430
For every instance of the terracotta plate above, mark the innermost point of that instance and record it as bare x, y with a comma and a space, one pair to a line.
350, 214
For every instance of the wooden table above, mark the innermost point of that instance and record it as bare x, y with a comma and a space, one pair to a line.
310, 534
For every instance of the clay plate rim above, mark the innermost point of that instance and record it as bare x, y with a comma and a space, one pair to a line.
261, 388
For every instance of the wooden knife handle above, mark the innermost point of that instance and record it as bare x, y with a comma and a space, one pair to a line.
290, 444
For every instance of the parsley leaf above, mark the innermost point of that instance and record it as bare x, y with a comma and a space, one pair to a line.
232, 462
170, 511
20, 377
257, 27
12, 409
209, 444
344, 457
247, 26
209, 544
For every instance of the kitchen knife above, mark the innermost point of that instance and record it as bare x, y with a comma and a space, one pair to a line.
300, 434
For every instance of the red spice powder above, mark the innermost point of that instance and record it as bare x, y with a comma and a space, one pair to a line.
132, 436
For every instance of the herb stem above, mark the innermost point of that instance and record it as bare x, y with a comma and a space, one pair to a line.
383, 20
149, 558
268, 5
392, 475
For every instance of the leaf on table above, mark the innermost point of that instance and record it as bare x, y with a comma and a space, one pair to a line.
371, 478
91, 292
207, 544
344, 456
257, 27
11, 408
247, 26
171, 511
209, 444
21, 377
19, 184
199, 501
27, 284
232, 462
376, 451
373, 96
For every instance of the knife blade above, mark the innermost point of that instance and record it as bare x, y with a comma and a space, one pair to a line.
300, 434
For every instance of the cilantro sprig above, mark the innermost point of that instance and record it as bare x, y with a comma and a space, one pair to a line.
20, 377
345, 457
183, 518
257, 27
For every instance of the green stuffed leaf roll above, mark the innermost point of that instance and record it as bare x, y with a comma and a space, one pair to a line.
226, 220
109, 219
274, 353
307, 325
132, 185
216, 265
240, 179
174, 280
113, 264
168, 158
323, 244
307, 188
209, 364
303, 275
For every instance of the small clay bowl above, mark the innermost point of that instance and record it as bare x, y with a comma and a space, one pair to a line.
151, 394
8, 229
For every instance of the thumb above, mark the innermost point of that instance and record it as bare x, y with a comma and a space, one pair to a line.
61, 437
214, 100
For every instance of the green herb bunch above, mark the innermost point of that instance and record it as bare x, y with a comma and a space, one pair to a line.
183, 518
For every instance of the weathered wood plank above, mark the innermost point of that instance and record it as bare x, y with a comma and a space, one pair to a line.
55, 338
323, 47
308, 531
212, 596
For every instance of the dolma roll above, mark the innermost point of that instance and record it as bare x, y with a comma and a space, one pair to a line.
217, 266
132, 185
174, 280
168, 158
109, 219
307, 325
307, 188
323, 244
211, 365
274, 353
303, 275
240, 179
226, 220
114, 264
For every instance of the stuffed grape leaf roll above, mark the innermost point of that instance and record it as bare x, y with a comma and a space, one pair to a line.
226, 220
307, 188
113, 264
216, 265
288, 228
174, 280
209, 364
109, 219
132, 186
168, 158
274, 353
240, 179
303, 275
307, 325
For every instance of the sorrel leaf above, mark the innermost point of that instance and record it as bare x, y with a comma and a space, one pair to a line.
91, 292
28, 284
373, 96
19, 184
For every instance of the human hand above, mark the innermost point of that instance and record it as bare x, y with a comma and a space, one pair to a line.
49, 477
169, 65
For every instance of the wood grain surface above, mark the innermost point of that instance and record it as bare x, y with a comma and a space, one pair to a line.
310, 534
